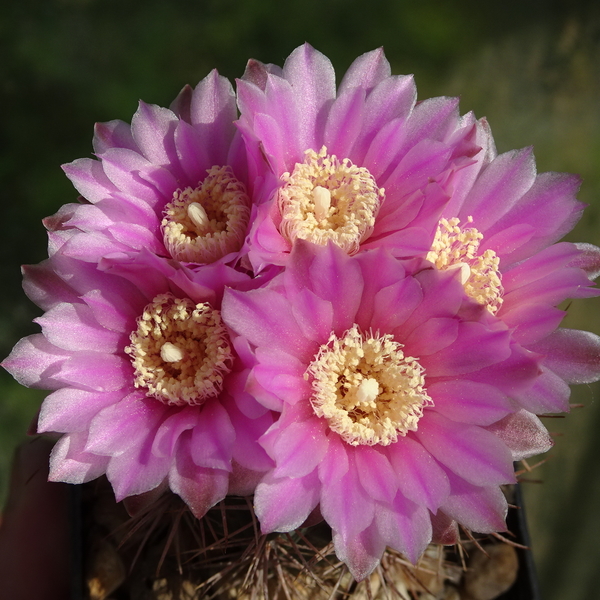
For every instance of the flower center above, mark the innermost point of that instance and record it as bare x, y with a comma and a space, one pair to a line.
369, 392
206, 223
180, 351
324, 199
456, 248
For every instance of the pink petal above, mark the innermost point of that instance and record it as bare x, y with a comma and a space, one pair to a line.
71, 464
469, 401
376, 474
475, 347
199, 488
335, 463
499, 186
284, 504
72, 409
523, 433
113, 134
481, 509
345, 504
366, 71
572, 354
193, 155
432, 336
137, 470
175, 421
124, 425
73, 327
96, 371
300, 448
549, 394
421, 478
265, 318
362, 552
331, 274
34, 362
43, 286
312, 77
588, 260
471, 452
152, 128
89, 179
344, 122
405, 526
213, 437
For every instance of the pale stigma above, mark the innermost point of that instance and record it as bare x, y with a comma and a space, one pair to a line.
180, 351
205, 223
457, 248
327, 199
367, 389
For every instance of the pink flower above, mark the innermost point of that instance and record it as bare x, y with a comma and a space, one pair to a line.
365, 166
174, 182
399, 399
140, 375
501, 236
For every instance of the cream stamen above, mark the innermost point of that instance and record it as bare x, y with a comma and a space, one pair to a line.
180, 351
367, 389
205, 223
324, 199
457, 248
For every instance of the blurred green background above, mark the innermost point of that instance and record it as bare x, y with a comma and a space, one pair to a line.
533, 68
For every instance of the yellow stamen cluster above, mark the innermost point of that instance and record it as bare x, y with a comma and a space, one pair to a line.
180, 351
457, 248
204, 224
369, 392
324, 199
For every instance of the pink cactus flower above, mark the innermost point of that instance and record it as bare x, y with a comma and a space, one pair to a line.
363, 166
173, 182
501, 236
139, 375
400, 401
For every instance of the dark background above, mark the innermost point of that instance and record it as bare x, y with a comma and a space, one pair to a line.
533, 68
